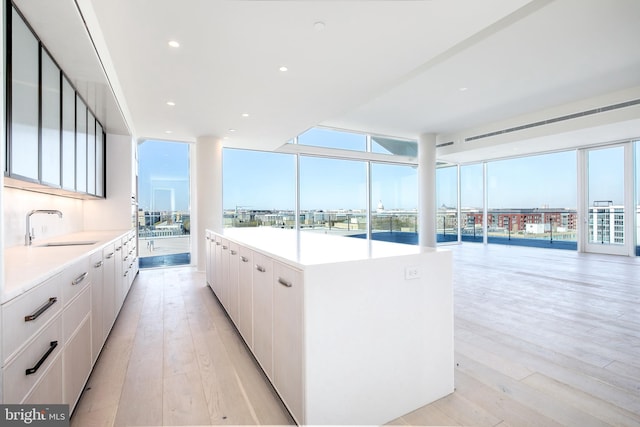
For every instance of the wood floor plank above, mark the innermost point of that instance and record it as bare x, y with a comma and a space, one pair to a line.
542, 337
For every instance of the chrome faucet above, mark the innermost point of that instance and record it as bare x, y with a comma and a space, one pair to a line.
30, 235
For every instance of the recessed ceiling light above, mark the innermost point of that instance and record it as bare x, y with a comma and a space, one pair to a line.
232, 130
318, 26
283, 68
171, 103
462, 89
245, 114
168, 131
174, 43
225, 137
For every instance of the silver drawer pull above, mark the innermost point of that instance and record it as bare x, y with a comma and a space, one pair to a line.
80, 278
260, 268
225, 247
217, 243
208, 238
233, 252
284, 282
118, 248
52, 346
98, 264
125, 273
110, 255
244, 259
41, 310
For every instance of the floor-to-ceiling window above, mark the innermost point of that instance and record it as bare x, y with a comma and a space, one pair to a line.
258, 188
164, 216
471, 202
637, 190
447, 203
333, 195
532, 201
394, 203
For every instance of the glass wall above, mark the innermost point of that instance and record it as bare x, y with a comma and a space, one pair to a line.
637, 215
394, 203
532, 201
447, 203
259, 188
164, 215
471, 202
333, 195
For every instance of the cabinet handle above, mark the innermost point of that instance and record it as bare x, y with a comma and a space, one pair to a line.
284, 282
225, 247
244, 259
110, 255
52, 346
233, 252
41, 310
125, 258
208, 238
118, 248
217, 243
260, 268
98, 264
125, 273
79, 279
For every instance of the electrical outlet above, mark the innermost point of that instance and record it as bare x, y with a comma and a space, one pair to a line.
412, 272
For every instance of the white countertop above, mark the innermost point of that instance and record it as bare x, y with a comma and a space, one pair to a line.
27, 266
304, 248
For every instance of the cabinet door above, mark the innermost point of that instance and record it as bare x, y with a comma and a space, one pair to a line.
232, 287
263, 311
81, 145
207, 248
287, 336
225, 274
118, 280
68, 135
77, 363
217, 269
97, 285
23, 150
49, 388
91, 153
245, 294
50, 160
100, 171
108, 290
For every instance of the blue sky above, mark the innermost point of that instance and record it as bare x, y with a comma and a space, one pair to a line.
265, 180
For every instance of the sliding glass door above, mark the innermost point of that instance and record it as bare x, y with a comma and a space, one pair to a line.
607, 219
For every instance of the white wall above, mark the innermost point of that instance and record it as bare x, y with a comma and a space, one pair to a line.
18, 202
114, 212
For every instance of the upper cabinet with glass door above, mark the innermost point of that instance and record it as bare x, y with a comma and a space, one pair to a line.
53, 141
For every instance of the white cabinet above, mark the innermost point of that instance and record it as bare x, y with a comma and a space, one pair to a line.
217, 269
53, 332
288, 351
97, 304
232, 282
333, 320
263, 311
207, 247
245, 294
118, 279
108, 289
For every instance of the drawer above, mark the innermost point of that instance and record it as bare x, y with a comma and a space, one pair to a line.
41, 304
49, 389
75, 312
75, 278
38, 356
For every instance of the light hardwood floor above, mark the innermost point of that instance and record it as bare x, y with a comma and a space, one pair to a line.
542, 338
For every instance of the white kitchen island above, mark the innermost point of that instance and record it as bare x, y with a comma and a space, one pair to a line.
348, 331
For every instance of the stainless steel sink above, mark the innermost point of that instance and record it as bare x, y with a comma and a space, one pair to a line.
79, 243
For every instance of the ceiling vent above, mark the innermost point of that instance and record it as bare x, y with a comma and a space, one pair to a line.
557, 119
444, 144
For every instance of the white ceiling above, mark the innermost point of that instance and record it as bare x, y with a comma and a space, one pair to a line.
388, 67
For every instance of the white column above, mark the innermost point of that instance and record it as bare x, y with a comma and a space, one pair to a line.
207, 193
427, 189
